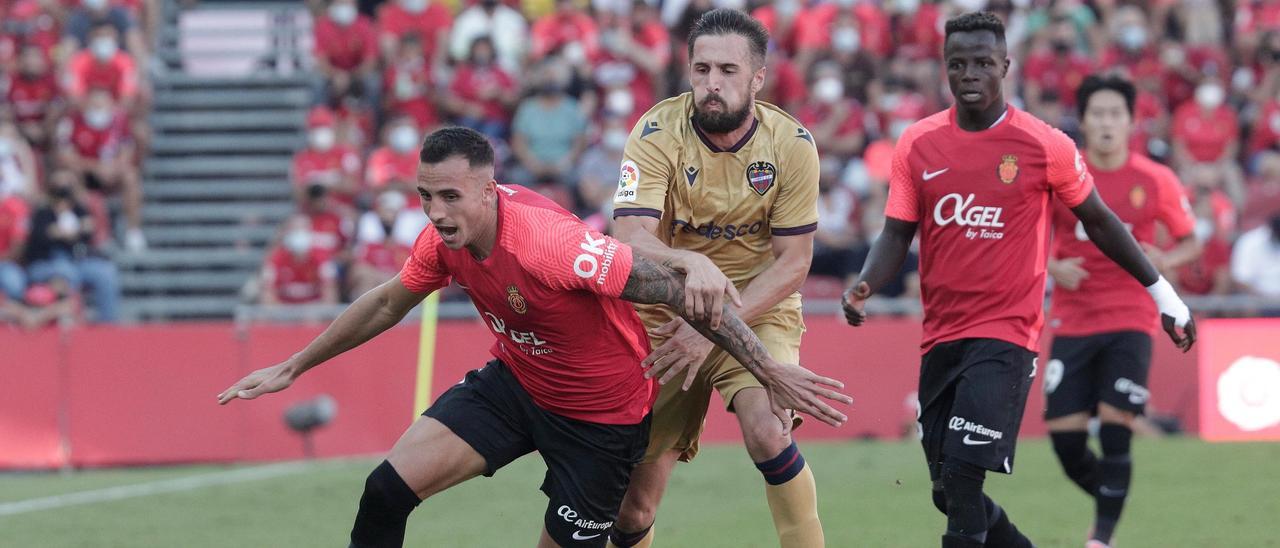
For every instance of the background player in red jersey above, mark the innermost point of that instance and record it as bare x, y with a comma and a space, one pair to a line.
579, 396
977, 179
1102, 318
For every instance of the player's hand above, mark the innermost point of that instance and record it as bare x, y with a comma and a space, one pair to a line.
1188, 336
794, 387
263, 381
1068, 273
854, 303
685, 350
704, 289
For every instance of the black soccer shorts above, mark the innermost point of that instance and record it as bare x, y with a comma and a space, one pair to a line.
972, 394
588, 464
1107, 367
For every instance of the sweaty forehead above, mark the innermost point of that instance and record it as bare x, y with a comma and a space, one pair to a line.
979, 43
719, 49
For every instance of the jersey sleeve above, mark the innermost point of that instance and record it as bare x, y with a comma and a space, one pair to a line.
1173, 209
903, 202
423, 271
1065, 171
567, 255
644, 174
796, 209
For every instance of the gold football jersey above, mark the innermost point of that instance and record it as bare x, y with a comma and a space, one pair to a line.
725, 204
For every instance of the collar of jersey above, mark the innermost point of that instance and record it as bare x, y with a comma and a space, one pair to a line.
755, 123
1000, 122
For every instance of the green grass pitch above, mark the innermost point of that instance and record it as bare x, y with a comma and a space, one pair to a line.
1186, 494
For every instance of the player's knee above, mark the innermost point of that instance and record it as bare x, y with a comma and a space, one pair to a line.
635, 515
384, 488
762, 433
1116, 440
1071, 448
939, 497
962, 480
1112, 415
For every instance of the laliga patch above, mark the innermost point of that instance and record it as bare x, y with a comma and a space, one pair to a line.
628, 182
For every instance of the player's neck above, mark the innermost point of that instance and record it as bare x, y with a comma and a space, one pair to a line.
726, 141
1107, 161
487, 237
970, 120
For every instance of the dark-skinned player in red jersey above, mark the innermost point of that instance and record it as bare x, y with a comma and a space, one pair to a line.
567, 379
977, 180
1102, 319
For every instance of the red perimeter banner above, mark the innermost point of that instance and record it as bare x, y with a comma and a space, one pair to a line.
1240, 380
103, 396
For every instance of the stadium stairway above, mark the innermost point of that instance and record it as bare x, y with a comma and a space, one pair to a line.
227, 117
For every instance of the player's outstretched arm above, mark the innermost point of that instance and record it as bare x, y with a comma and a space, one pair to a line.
1107, 232
371, 314
883, 263
790, 386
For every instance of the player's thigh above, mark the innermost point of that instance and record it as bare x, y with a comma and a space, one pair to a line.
1124, 367
589, 467
490, 413
1071, 376
1069, 423
678, 414
990, 397
644, 493
431, 458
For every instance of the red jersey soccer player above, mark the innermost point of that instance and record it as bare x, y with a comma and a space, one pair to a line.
977, 180
1102, 349
579, 397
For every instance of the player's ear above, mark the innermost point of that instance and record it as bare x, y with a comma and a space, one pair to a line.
757, 80
1005, 72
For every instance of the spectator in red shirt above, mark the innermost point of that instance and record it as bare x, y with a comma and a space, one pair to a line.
410, 88
635, 53
827, 23
1206, 130
34, 100
1056, 66
428, 19
379, 253
346, 50
834, 119
325, 161
297, 272
15, 219
36, 23
81, 21
330, 226
782, 19
103, 66
97, 145
1210, 274
785, 85
568, 28
482, 94
394, 165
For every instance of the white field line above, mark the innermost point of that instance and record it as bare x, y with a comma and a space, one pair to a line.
174, 485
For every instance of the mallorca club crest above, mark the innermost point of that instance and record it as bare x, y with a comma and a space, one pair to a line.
1008, 169
1138, 197
516, 300
760, 176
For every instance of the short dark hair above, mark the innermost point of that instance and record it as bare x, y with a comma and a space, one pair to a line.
722, 21
448, 142
976, 21
1095, 83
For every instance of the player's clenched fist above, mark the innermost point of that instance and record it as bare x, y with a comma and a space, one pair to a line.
854, 301
705, 288
263, 381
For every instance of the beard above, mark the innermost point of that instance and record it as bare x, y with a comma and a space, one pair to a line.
720, 122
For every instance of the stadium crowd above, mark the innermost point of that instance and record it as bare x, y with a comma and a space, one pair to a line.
557, 86
74, 86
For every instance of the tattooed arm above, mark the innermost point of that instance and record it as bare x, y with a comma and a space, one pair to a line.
790, 386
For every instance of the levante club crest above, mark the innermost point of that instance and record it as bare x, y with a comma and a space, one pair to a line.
760, 176
1008, 169
516, 300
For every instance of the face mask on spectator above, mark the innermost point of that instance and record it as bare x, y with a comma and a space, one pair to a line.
614, 139
297, 242
404, 138
6, 148
1203, 230
970, 5
103, 48
574, 53
1133, 37
846, 3
619, 102
414, 6
342, 14
786, 8
1209, 96
828, 89
846, 40
94, 5
97, 118
322, 139
907, 6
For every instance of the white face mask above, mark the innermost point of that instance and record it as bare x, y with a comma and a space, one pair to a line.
297, 242
103, 49
94, 5
342, 14
1133, 37
6, 148
846, 40
619, 102
322, 139
403, 138
97, 118
574, 53
1203, 230
414, 6
614, 139
828, 90
907, 6
1210, 96
969, 5
786, 8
